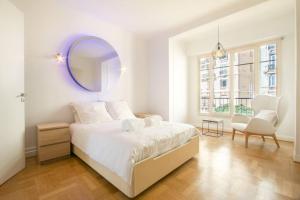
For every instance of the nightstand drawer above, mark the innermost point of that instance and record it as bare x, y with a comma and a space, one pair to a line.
54, 151
53, 136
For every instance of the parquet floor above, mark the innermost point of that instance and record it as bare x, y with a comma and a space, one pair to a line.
222, 170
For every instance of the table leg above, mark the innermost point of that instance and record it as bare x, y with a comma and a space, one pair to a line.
208, 130
222, 128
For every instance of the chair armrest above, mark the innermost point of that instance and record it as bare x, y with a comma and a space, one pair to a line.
260, 126
240, 119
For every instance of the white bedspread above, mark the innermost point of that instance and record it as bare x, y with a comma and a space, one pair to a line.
119, 151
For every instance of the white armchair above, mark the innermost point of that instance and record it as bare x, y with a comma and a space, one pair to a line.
264, 121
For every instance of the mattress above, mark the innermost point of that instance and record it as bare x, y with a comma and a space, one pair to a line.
118, 151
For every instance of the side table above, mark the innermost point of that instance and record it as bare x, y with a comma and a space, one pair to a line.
217, 122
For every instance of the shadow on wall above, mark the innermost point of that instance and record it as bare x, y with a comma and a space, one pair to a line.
282, 111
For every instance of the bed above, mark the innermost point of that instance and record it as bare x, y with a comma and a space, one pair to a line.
133, 161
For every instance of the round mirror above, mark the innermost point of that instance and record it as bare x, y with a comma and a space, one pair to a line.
93, 64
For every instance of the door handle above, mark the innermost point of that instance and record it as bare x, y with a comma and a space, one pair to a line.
22, 96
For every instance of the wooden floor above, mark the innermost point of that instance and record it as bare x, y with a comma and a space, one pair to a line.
222, 170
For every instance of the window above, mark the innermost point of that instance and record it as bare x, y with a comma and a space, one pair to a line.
267, 61
243, 79
272, 81
227, 85
223, 83
204, 84
220, 89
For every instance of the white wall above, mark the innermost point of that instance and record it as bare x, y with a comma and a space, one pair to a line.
178, 74
158, 53
50, 28
241, 29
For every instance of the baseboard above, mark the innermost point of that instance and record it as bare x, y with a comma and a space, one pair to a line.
285, 138
296, 157
30, 151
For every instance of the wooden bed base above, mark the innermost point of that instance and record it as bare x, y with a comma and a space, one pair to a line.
146, 172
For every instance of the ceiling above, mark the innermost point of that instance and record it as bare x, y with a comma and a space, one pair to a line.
266, 11
152, 16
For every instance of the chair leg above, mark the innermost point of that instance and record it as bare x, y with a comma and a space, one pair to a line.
246, 140
233, 134
263, 138
276, 141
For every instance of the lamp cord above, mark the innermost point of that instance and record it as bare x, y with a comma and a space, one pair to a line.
218, 33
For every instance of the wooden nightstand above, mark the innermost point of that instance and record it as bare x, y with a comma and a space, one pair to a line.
53, 141
143, 115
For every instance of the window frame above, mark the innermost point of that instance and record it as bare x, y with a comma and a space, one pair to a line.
256, 74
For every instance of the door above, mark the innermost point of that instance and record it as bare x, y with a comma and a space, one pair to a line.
12, 125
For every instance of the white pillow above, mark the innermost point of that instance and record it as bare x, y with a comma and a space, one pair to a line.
154, 120
133, 125
90, 112
75, 115
76, 118
268, 115
119, 110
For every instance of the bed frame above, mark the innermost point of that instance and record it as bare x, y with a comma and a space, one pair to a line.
146, 172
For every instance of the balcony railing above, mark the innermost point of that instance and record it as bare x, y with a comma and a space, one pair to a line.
221, 104
243, 105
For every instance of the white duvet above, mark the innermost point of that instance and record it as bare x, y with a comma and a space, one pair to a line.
119, 151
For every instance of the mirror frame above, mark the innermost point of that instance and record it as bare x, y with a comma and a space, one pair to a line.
68, 62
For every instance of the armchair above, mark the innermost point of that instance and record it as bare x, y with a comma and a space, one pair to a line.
264, 121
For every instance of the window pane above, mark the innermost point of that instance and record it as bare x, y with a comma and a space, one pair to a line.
204, 85
221, 97
267, 52
267, 69
243, 78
